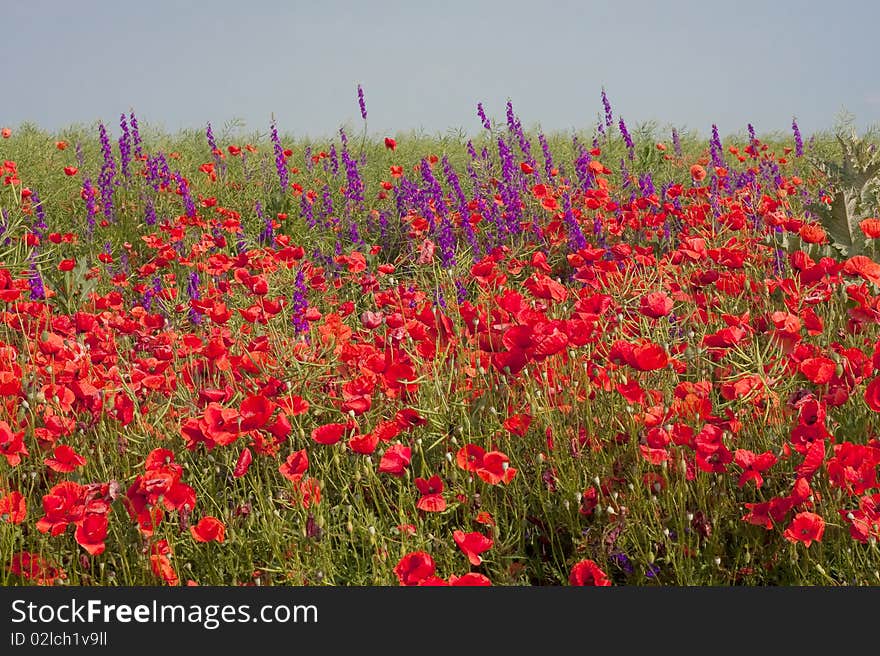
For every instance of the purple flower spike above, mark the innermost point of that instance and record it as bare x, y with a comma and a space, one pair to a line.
798, 140
363, 105
482, 114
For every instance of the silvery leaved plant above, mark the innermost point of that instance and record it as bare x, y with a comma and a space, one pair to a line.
853, 189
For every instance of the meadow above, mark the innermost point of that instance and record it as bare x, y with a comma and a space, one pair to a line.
619, 357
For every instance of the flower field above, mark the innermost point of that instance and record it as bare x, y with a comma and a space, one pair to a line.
621, 358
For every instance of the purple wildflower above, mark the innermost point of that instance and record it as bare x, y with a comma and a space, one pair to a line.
124, 146
354, 188
582, 165
676, 143
383, 229
446, 242
109, 163
299, 303
798, 141
482, 114
472, 152
576, 237
192, 289
630, 146
39, 227
189, 206
548, 156
268, 234
623, 562
219, 162
307, 211
280, 160
511, 119
464, 213
150, 212
609, 116
507, 190
135, 135
646, 184
35, 282
327, 205
716, 150
362, 103
88, 192
106, 179
332, 160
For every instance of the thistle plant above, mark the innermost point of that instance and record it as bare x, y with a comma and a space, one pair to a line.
854, 190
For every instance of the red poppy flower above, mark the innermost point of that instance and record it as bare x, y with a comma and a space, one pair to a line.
813, 233
853, 467
293, 405
91, 533
243, 463
255, 412
587, 572
432, 494
864, 522
396, 460
295, 466
813, 460
13, 508
70, 170
872, 395
698, 173
806, 527
390, 143
818, 371
34, 567
208, 529
864, 266
656, 304
472, 544
470, 457
64, 459
160, 563
414, 568
365, 444
11, 444
471, 579
221, 424
495, 468
6, 133
518, 424
753, 466
408, 418
67, 265
310, 492
645, 356
329, 433
870, 227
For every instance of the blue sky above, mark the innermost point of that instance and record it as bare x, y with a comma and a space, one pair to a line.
425, 66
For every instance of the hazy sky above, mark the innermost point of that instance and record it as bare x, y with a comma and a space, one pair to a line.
425, 65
